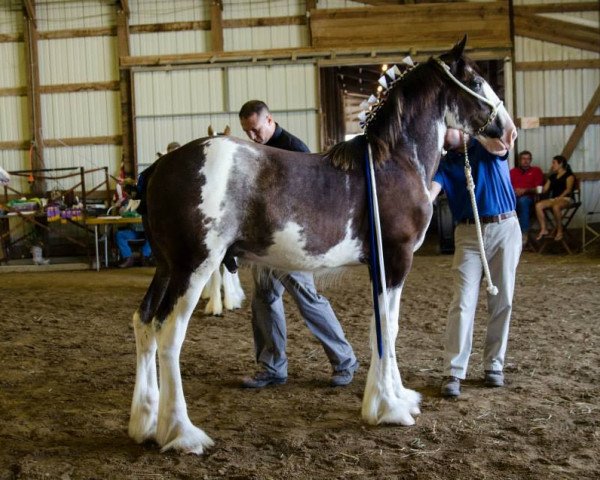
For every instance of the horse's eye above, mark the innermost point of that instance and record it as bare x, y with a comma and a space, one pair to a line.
476, 83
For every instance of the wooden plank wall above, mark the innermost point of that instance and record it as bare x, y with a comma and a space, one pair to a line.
423, 26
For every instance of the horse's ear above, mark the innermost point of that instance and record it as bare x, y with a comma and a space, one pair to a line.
227, 130
456, 53
211, 132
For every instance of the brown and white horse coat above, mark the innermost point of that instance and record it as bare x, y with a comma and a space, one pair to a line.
294, 211
233, 293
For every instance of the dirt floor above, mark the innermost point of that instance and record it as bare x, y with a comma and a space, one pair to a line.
67, 358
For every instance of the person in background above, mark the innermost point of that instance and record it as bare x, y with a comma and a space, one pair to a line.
268, 317
560, 185
136, 203
133, 232
502, 245
525, 178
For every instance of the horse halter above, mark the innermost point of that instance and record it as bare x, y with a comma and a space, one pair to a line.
481, 98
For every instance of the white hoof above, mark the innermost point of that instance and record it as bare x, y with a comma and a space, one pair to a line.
395, 408
188, 439
213, 308
142, 423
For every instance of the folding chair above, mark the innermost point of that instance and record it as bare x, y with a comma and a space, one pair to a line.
568, 213
590, 233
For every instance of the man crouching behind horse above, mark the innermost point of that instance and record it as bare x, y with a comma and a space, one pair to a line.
297, 211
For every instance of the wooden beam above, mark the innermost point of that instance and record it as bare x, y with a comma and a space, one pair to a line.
170, 27
264, 22
557, 31
11, 37
30, 11
556, 8
124, 6
216, 25
560, 121
64, 142
15, 145
588, 176
80, 87
82, 141
78, 33
126, 97
557, 65
62, 88
13, 92
328, 56
34, 104
582, 124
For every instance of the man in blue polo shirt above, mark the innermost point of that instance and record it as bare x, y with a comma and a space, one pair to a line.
496, 203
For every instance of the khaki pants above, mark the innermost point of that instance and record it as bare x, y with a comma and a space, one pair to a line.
502, 245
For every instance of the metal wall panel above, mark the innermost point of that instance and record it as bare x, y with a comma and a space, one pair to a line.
169, 43
340, 4
77, 60
263, 8
264, 38
159, 11
13, 119
12, 65
53, 15
81, 114
11, 18
180, 105
15, 160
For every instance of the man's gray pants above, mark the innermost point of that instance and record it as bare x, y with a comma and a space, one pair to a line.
268, 320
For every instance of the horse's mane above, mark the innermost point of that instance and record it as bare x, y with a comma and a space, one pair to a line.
386, 129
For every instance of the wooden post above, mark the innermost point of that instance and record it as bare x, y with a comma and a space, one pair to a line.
129, 153
582, 124
34, 108
216, 25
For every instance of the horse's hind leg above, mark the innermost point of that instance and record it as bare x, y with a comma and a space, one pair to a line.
215, 302
175, 430
144, 405
385, 399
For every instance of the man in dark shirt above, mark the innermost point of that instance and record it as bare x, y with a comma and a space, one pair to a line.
268, 318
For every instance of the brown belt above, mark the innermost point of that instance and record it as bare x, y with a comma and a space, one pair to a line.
490, 219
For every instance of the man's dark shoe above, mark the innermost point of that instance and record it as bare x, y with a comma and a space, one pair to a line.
493, 378
129, 262
450, 387
344, 377
262, 379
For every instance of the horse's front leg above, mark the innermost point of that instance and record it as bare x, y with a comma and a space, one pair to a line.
385, 399
175, 430
232, 290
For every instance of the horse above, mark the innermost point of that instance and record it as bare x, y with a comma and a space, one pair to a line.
221, 196
233, 293
4, 177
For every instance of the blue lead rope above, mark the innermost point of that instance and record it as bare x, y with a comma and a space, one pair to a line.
373, 256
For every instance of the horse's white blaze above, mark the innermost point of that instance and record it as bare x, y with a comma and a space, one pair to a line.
385, 399
174, 429
289, 251
144, 406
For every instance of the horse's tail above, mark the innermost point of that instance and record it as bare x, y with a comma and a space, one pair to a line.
347, 155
